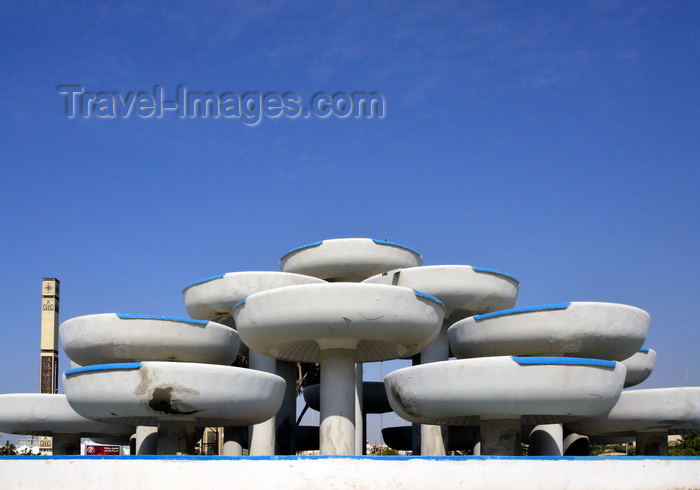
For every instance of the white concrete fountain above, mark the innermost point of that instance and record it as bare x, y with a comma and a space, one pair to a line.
552, 365
338, 325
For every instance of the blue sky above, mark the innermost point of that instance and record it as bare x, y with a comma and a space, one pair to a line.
557, 142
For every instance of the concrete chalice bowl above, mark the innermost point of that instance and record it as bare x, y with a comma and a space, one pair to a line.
338, 325
43, 414
504, 392
465, 290
639, 366
580, 329
460, 438
650, 415
348, 259
213, 298
175, 396
374, 398
116, 338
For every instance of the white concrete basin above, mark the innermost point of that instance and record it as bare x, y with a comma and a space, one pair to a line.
465, 290
596, 330
175, 396
116, 338
639, 366
460, 438
213, 298
399, 438
377, 322
541, 390
41, 414
668, 410
306, 437
142, 393
374, 398
605, 440
348, 259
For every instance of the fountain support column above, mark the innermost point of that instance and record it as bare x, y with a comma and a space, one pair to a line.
433, 438
476, 450
175, 436
146, 440
652, 443
285, 420
415, 428
500, 437
233, 440
360, 417
547, 440
576, 445
262, 435
337, 430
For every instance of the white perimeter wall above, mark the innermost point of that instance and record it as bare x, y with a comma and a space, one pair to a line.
346, 472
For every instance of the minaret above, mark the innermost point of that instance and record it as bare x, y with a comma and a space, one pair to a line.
50, 289
50, 294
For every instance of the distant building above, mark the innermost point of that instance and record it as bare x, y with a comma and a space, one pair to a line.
28, 445
211, 443
50, 296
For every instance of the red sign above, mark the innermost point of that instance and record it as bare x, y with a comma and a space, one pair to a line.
102, 450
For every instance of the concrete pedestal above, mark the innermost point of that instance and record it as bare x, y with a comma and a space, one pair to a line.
262, 435
337, 428
146, 440
415, 428
433, 438
576, 445
652, 443
234, 438
500, 437
285, 420
415, 438
359, 412
175, 437
547, 440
